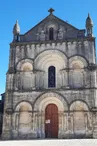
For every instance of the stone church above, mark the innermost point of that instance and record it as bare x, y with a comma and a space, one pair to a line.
51, 85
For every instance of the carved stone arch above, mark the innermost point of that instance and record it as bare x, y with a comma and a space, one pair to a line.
50, 57
51, 49
53, 25
80, 117
79, 58
77, 72
25, 79
25, 103
22, 118
25, 62
21, 62
49, 25
40, 106
50, 98
46, 59
79, 102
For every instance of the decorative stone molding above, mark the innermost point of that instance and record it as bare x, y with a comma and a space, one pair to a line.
9, 111
92, 67
11, 70
48, 98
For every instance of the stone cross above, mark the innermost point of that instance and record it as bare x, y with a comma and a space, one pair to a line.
51, 10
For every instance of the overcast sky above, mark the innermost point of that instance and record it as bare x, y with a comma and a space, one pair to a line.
30, 12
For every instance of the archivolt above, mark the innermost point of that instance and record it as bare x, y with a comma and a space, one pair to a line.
79, 105
50, 57
24, 62
79, 60
23, 105
48, 98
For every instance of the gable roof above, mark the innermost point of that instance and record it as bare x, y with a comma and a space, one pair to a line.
62, 30
51, 16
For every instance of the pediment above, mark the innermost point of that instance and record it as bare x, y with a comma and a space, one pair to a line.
62, 30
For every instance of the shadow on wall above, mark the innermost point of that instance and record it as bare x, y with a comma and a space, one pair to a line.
1, 111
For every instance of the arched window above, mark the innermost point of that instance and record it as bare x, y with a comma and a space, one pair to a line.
17, 38
51, 33
51, 76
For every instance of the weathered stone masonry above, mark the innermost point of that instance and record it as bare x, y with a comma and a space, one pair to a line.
52, 65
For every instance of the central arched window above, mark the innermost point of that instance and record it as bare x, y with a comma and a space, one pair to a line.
51, 76
51, 33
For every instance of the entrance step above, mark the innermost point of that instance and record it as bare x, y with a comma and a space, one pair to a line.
73, 142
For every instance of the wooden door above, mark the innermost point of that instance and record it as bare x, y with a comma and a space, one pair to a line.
51, 121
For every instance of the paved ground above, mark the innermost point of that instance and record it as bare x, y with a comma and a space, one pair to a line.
74, 142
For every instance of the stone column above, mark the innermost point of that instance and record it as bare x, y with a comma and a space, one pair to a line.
15, 125
95, 123
35, 125
7, 126
61, 125
42, 125
70, 125
39, 125
65, 122
86, 123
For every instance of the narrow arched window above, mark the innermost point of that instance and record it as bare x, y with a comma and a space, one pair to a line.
51, 33
51, 76
17, 38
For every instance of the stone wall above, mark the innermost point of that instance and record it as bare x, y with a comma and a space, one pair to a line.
27, 92
70, 48
69, 63
70, 106
0, 123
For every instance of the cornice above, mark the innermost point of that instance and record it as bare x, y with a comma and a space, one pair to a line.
54, 41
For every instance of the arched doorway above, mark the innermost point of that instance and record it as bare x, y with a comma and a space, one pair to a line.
51, 121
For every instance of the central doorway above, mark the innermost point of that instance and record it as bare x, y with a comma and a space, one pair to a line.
51, 121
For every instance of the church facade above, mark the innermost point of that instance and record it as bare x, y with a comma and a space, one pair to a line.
51, 86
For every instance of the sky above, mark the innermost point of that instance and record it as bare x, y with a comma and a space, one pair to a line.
30, 12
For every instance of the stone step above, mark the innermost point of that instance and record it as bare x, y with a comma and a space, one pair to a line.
71, 142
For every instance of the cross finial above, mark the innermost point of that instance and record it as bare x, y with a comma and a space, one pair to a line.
51, 10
